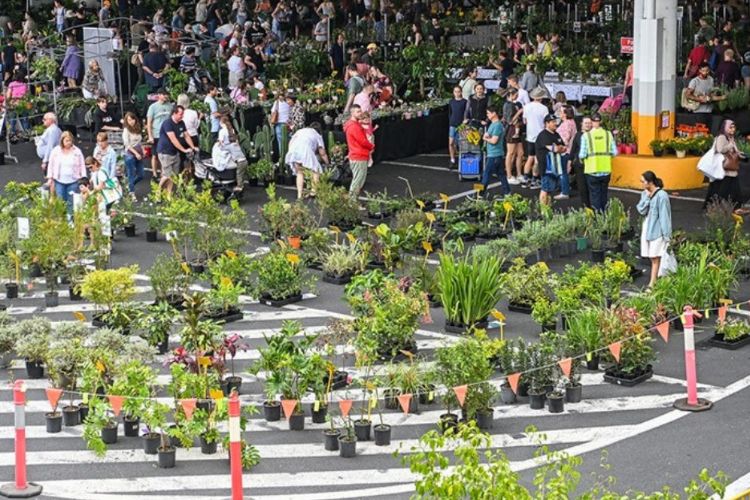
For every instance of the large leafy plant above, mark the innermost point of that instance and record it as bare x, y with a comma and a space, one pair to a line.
469, 287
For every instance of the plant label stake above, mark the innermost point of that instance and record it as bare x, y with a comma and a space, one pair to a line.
692, 402
21, 488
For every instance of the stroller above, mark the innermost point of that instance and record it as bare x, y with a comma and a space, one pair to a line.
198, 82
223, 180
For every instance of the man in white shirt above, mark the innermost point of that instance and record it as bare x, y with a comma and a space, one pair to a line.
523, 95
533, 116
279, 116
213, 110
48, 140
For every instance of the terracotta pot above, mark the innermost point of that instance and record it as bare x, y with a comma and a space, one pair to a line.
294, 241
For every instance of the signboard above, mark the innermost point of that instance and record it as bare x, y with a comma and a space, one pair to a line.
665, 115
608, 13
577, 27
626, 45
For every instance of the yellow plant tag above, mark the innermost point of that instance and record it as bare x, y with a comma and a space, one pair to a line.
497, 315
79, 316
335, 229
589, 356
543, 265
431, 396
507, 206
225, 281
185, 268
682, 318
216, 394
231, 254
373, 402
420, 204
100, 367
708, 313
478, 188
351, 238
369, 386
589, 212
430, 216
293, 258
204, 361
725, 302
445, 197
85, 398
316, 406
738, 219
427, 246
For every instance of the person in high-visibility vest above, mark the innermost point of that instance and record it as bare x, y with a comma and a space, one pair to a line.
598, 147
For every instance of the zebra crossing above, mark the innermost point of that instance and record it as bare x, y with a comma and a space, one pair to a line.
294, 464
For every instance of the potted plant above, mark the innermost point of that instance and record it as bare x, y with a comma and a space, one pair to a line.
382, 431
209, 436
731, 333
541, 362
336, 206
261, 170
156, 322
469, 290
100, 426
524, 285
556, 397
135, 381
315, 246
65, 362
107, 288
223, 301
279, 279
544, 312
657, 147
341, 262
14, 264
154, 418
53, 419
626, 325
584, 335
231, 344
169, 280
348, 440
272, 214
8, 336
33, 339
295, 223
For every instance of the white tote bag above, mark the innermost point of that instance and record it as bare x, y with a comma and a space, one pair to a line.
668, 263
711, 164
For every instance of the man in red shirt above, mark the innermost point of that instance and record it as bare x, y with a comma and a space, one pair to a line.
360, 148
698, 55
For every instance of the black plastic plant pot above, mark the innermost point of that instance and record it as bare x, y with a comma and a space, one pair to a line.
51, 299
597, 256
231, 383
205, 404
347, 447
427, 395
83, 410
166, 458
447, 421
151, 235
208, 448
574, 393
109, 434
151, 443
362, 429
11, 290
163, 346
130, 427
507, 395
556, 403
391, 402
54, 422
382, 434
73, 294
35, 271
272, 411
536, 401
523, 389
297, 422
593, 363
34, 370
71, 416
267, 300
129, 230
331, 437
319, 416
485, 419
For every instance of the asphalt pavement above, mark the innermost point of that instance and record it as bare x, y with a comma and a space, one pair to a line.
648, 443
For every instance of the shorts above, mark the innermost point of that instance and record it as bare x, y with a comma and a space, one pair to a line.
169, 165
745, 70
550, 183
453, 133
529, 148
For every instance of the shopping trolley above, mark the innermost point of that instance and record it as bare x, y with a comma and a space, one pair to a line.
471, 157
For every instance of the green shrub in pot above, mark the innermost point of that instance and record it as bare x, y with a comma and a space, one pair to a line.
469, 287
278, 275
465, 363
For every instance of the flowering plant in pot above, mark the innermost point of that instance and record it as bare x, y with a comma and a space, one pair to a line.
235, 266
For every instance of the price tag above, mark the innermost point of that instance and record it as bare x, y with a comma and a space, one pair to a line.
335, 229
185, 268
577, 27
427, 246
373, 402
420, 204
478, 188
216, 394
507, 206
292, 258
231, 254
430, 217
431, 396
77, 202
107, 226
316, 406
498, 315
23, 228
79, 316
171, 235
445, 197
351, 238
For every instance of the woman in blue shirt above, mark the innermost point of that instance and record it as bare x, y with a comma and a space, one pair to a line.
657, 227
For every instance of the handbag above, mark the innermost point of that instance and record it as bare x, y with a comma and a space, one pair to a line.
731, 161
688, 103
668, 263
612, 104
711, 164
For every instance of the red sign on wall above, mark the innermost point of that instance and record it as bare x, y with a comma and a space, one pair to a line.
626, 45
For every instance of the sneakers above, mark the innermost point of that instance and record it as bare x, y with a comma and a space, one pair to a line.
561, 197
514, 181
535, 184
524, 182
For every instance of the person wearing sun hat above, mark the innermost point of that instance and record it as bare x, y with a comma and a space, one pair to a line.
369, 56
598, 147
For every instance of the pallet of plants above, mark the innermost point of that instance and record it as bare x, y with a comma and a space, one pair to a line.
223, 301
628, 326
336, 206
732, 333
387, 312
470, 288
343, 260
465, 363
279, 278
381, 205
524, 285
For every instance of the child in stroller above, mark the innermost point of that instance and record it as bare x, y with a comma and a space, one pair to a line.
226, 169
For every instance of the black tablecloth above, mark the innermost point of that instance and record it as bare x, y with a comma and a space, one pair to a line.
395, 139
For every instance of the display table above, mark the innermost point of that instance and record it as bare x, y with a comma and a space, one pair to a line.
578, 91
677, 173
398, 138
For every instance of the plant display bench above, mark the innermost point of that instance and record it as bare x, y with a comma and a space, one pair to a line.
677, 173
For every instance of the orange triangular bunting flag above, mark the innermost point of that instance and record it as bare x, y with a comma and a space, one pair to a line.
663, 329
53, 396
722, 314
513, 380
288, 405
116, 403
615, 348
565, 365
404, 400
345, 406
188, 406
461, 393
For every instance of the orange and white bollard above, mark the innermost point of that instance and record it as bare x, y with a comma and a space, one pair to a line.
21, 488
692, 402
235, 446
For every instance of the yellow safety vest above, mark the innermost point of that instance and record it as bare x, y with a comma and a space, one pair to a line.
599, 158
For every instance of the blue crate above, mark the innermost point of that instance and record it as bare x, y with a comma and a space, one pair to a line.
469, 164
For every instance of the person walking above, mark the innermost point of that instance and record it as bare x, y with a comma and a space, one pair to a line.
549, 149
173, 140
598, 147
727, 188
133, 150
513, 122
360, 149
106, 155
301, 157
456, 111
158, 112
657, 226
66, 166
48, 140
575, 165
534, 114
567, 130
494, 138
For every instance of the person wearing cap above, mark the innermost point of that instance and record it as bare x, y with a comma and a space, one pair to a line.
493, 138
534, 114
598, 147
369, 57
155, 116
549, 149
